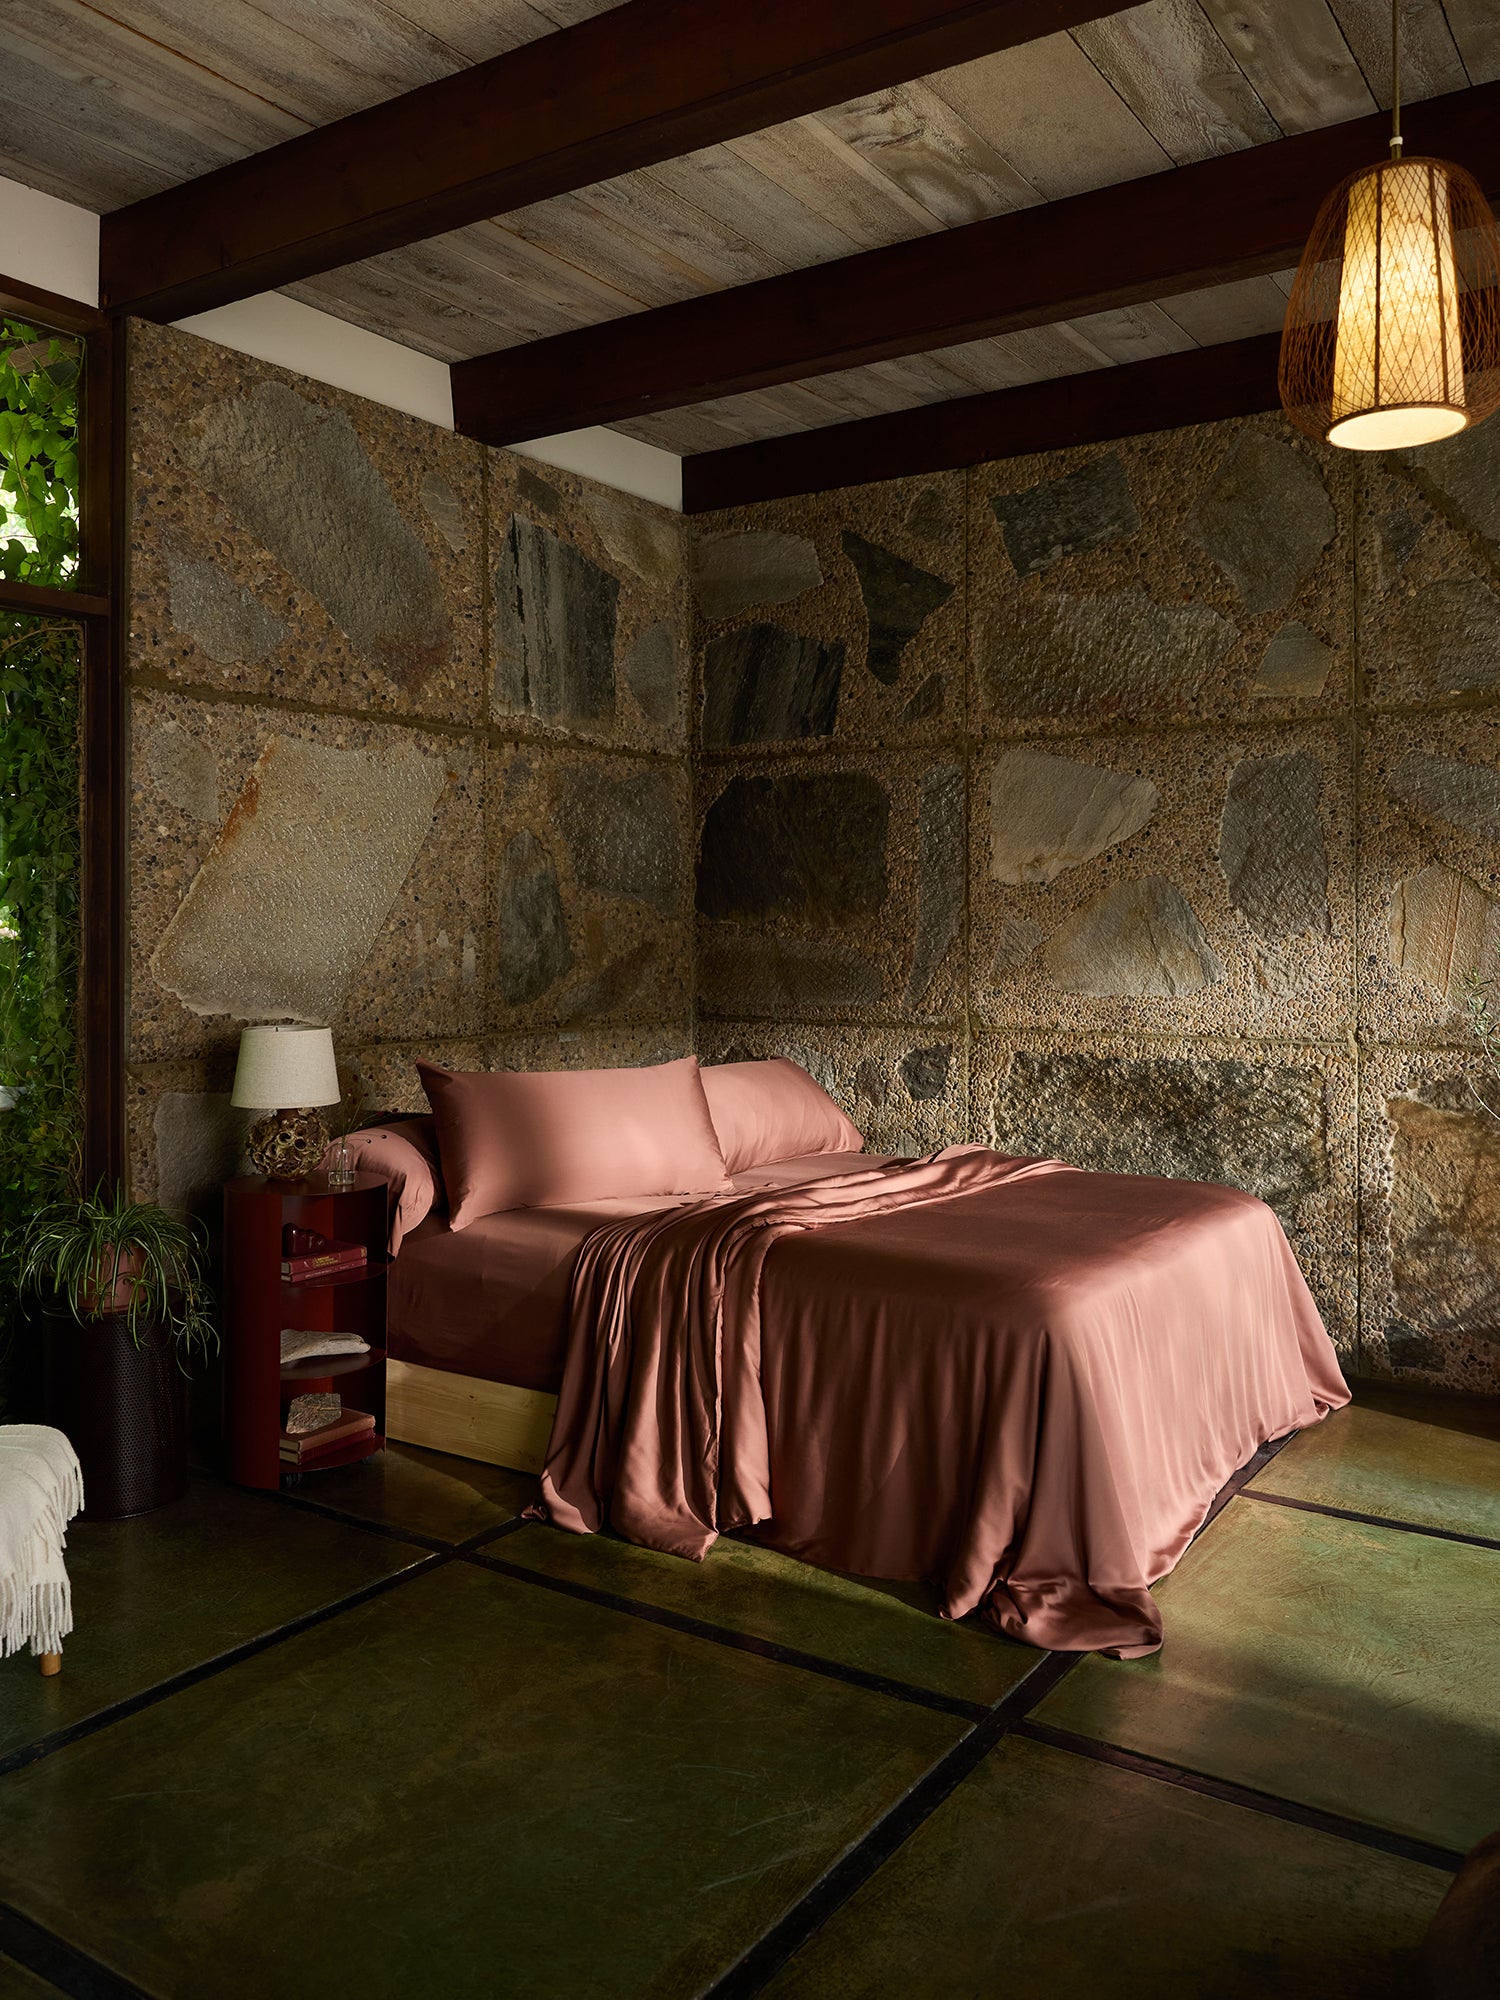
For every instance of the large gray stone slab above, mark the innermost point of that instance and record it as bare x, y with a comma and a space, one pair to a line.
1443, 929
1137, 940
925, 1071
1257, 1126
733, 572
811, 848
534, 950
650, 669
899, 598
928, 700
1016, 938
1445, 1251
1466, 796
446, 511
184, 771
295, 473
1462, 476
1271, 845
294, 891
200, 1144
1452, 631
940, 893
763, 684
749, 972
931, 515
1051, 813
594, 995
1086, 509
1296, 662
637, 536
624, 832
1047, 653
1265, 519
227, 621
555, 616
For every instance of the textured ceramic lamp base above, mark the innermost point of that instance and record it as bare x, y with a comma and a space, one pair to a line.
288, 1145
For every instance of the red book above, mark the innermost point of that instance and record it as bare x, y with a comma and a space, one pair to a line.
319, 1263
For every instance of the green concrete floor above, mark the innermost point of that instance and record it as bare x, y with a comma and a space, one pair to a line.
382, 1736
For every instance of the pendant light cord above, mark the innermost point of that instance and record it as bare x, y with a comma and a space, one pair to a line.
1395, 79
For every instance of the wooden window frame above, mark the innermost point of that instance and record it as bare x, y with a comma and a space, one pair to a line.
98, 606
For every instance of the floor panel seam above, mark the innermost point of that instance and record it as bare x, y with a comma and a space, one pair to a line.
203, 1670
865, 1857
1371, 1520
1270, 1805
742, 1642
65, 1966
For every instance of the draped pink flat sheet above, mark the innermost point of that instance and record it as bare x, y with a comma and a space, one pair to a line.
1020, 1382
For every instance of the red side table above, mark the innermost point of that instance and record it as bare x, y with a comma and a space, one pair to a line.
262, 1302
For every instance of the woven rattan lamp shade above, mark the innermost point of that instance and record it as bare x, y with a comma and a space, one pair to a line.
1393, 329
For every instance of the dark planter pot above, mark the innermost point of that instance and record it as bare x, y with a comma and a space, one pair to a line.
125, 1409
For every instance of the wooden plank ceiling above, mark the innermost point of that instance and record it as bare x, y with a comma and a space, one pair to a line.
105, 101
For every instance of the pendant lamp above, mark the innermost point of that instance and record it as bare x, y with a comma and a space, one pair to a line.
1392, 334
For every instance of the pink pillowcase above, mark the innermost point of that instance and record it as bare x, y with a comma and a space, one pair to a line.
405, 1156
519, 1139
774, 1111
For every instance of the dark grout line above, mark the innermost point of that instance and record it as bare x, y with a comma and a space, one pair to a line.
1360, 1832
487, 1535
1373, 1520
750, 1973
408, 1537
202, 1670
1236, 1483
739, 1642
63, 1965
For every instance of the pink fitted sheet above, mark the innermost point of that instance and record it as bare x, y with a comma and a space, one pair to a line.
491, 1300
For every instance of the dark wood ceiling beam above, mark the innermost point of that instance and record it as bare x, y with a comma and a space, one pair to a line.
1239, 216
645, 82
1204, 385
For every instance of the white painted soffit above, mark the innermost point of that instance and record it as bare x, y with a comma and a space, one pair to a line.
55, 245
49, 243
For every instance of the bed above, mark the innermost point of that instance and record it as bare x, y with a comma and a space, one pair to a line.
1017, 1381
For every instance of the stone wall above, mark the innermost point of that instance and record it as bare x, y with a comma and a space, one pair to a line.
409, 752
1138, 804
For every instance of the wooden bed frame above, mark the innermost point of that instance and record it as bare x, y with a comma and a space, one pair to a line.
467, 1416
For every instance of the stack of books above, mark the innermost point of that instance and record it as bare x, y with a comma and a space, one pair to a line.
299, 1448
329, 1259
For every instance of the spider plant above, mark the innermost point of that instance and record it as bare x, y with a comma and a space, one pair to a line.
104, 1253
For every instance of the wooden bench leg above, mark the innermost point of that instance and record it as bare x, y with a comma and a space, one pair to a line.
50, 1663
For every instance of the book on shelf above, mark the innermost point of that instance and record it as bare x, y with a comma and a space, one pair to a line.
331, 1258
298, 1446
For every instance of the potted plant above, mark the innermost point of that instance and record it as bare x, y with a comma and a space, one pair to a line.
130, 1278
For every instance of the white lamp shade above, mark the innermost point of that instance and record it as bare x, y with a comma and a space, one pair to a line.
285, 1069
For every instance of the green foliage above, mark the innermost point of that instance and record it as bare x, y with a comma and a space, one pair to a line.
80, 1253
39, 796
39, 407
39, 885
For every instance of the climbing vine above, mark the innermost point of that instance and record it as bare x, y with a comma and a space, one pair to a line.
39, 375
40, 855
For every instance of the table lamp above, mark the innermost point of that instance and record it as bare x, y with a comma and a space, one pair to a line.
287, 1073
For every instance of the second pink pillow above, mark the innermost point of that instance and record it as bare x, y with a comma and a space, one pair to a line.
537, 1139
774, 1111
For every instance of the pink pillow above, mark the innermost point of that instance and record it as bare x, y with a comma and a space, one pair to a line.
774, 1111
405, 1156
530, 1139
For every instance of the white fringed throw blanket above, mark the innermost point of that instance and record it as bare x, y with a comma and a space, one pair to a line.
41, 1489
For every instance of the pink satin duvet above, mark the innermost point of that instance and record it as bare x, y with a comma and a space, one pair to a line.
1017, 1381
